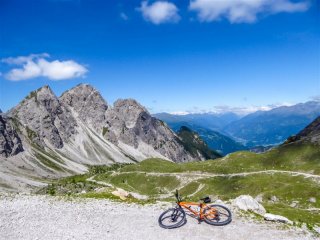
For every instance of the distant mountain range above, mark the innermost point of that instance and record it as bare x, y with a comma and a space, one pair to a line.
210, 121
274, 126
215, 140
229, 132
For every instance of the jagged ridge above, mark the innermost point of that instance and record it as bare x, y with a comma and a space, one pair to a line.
53, 137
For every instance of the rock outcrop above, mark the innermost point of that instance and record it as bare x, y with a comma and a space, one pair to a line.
311, 133
248, 203
276, 218
46, 121
194, 144
88, 105
131, 123
10, 142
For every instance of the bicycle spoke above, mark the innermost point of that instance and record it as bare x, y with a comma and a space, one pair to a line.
172, 218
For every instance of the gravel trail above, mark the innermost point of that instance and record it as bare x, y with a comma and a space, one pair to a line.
42, 217
198, 175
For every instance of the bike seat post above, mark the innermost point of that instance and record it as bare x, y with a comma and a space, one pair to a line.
200, 213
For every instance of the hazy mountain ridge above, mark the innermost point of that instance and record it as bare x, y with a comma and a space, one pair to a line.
274, 126
214, 138
211, 121
258, 129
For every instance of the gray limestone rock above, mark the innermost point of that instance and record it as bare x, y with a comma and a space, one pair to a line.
132, 124
87, 104
52, 122
45, 119
10, 142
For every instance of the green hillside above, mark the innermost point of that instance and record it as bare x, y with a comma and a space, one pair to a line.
273, 173
290, 157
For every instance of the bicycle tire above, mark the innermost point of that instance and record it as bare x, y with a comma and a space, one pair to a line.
178, 217
216, 219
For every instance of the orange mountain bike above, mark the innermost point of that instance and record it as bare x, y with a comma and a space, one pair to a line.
213, 214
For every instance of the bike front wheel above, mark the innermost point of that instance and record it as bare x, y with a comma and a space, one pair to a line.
217, 215
172, 218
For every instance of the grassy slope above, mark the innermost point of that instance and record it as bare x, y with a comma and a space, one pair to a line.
292, 157
287, 188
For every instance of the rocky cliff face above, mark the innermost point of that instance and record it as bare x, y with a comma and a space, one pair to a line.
195, 144
49, 136
47, 122
130, 123
10, 142
126, 124
87, 104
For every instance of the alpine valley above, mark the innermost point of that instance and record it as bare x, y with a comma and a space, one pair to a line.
257, 131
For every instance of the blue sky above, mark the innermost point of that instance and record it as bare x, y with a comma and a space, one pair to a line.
169, 55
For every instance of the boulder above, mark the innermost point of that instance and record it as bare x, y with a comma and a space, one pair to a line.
274, 199
312, 200
248, 203
259, 198
276, 218
294, 204
122, 194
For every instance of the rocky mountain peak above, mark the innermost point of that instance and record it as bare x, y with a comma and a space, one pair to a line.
129, 110
87, 103
81, 117
44, 118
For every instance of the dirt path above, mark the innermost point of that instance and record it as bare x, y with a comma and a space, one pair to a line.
198, 175
41, 217
186, 177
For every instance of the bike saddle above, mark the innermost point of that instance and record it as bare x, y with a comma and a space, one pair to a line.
206, 199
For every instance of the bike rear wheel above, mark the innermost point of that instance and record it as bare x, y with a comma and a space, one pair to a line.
172, 218
217, 215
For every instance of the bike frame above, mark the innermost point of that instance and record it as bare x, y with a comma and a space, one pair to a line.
200, 214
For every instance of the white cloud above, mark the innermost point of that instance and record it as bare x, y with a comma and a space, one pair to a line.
315, 98
23, 59
37, 65
243, 11
239, 110
159, 12
180, 113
